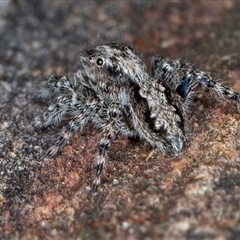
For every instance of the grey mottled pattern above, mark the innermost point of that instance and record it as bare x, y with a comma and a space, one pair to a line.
114, 90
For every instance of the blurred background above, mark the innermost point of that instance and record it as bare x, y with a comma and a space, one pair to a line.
196, 196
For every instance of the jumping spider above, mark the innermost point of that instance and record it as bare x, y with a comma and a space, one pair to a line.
114, 90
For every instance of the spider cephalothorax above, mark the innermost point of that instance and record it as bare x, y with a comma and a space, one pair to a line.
113, 89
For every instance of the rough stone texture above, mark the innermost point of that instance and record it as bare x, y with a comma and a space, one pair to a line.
195, 196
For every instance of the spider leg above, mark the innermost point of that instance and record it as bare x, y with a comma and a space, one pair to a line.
54, 86
78, 122
208, 84
60, 90
196, 77
108, 133
170, 72
54, 113
184, 77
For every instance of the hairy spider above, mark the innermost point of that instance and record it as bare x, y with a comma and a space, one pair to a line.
114, 90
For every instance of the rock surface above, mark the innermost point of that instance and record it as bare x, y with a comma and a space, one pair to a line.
195, 196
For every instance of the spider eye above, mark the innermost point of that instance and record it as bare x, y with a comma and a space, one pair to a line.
90, 58
99, 62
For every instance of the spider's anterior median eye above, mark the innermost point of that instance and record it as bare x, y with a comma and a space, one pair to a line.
99, 61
